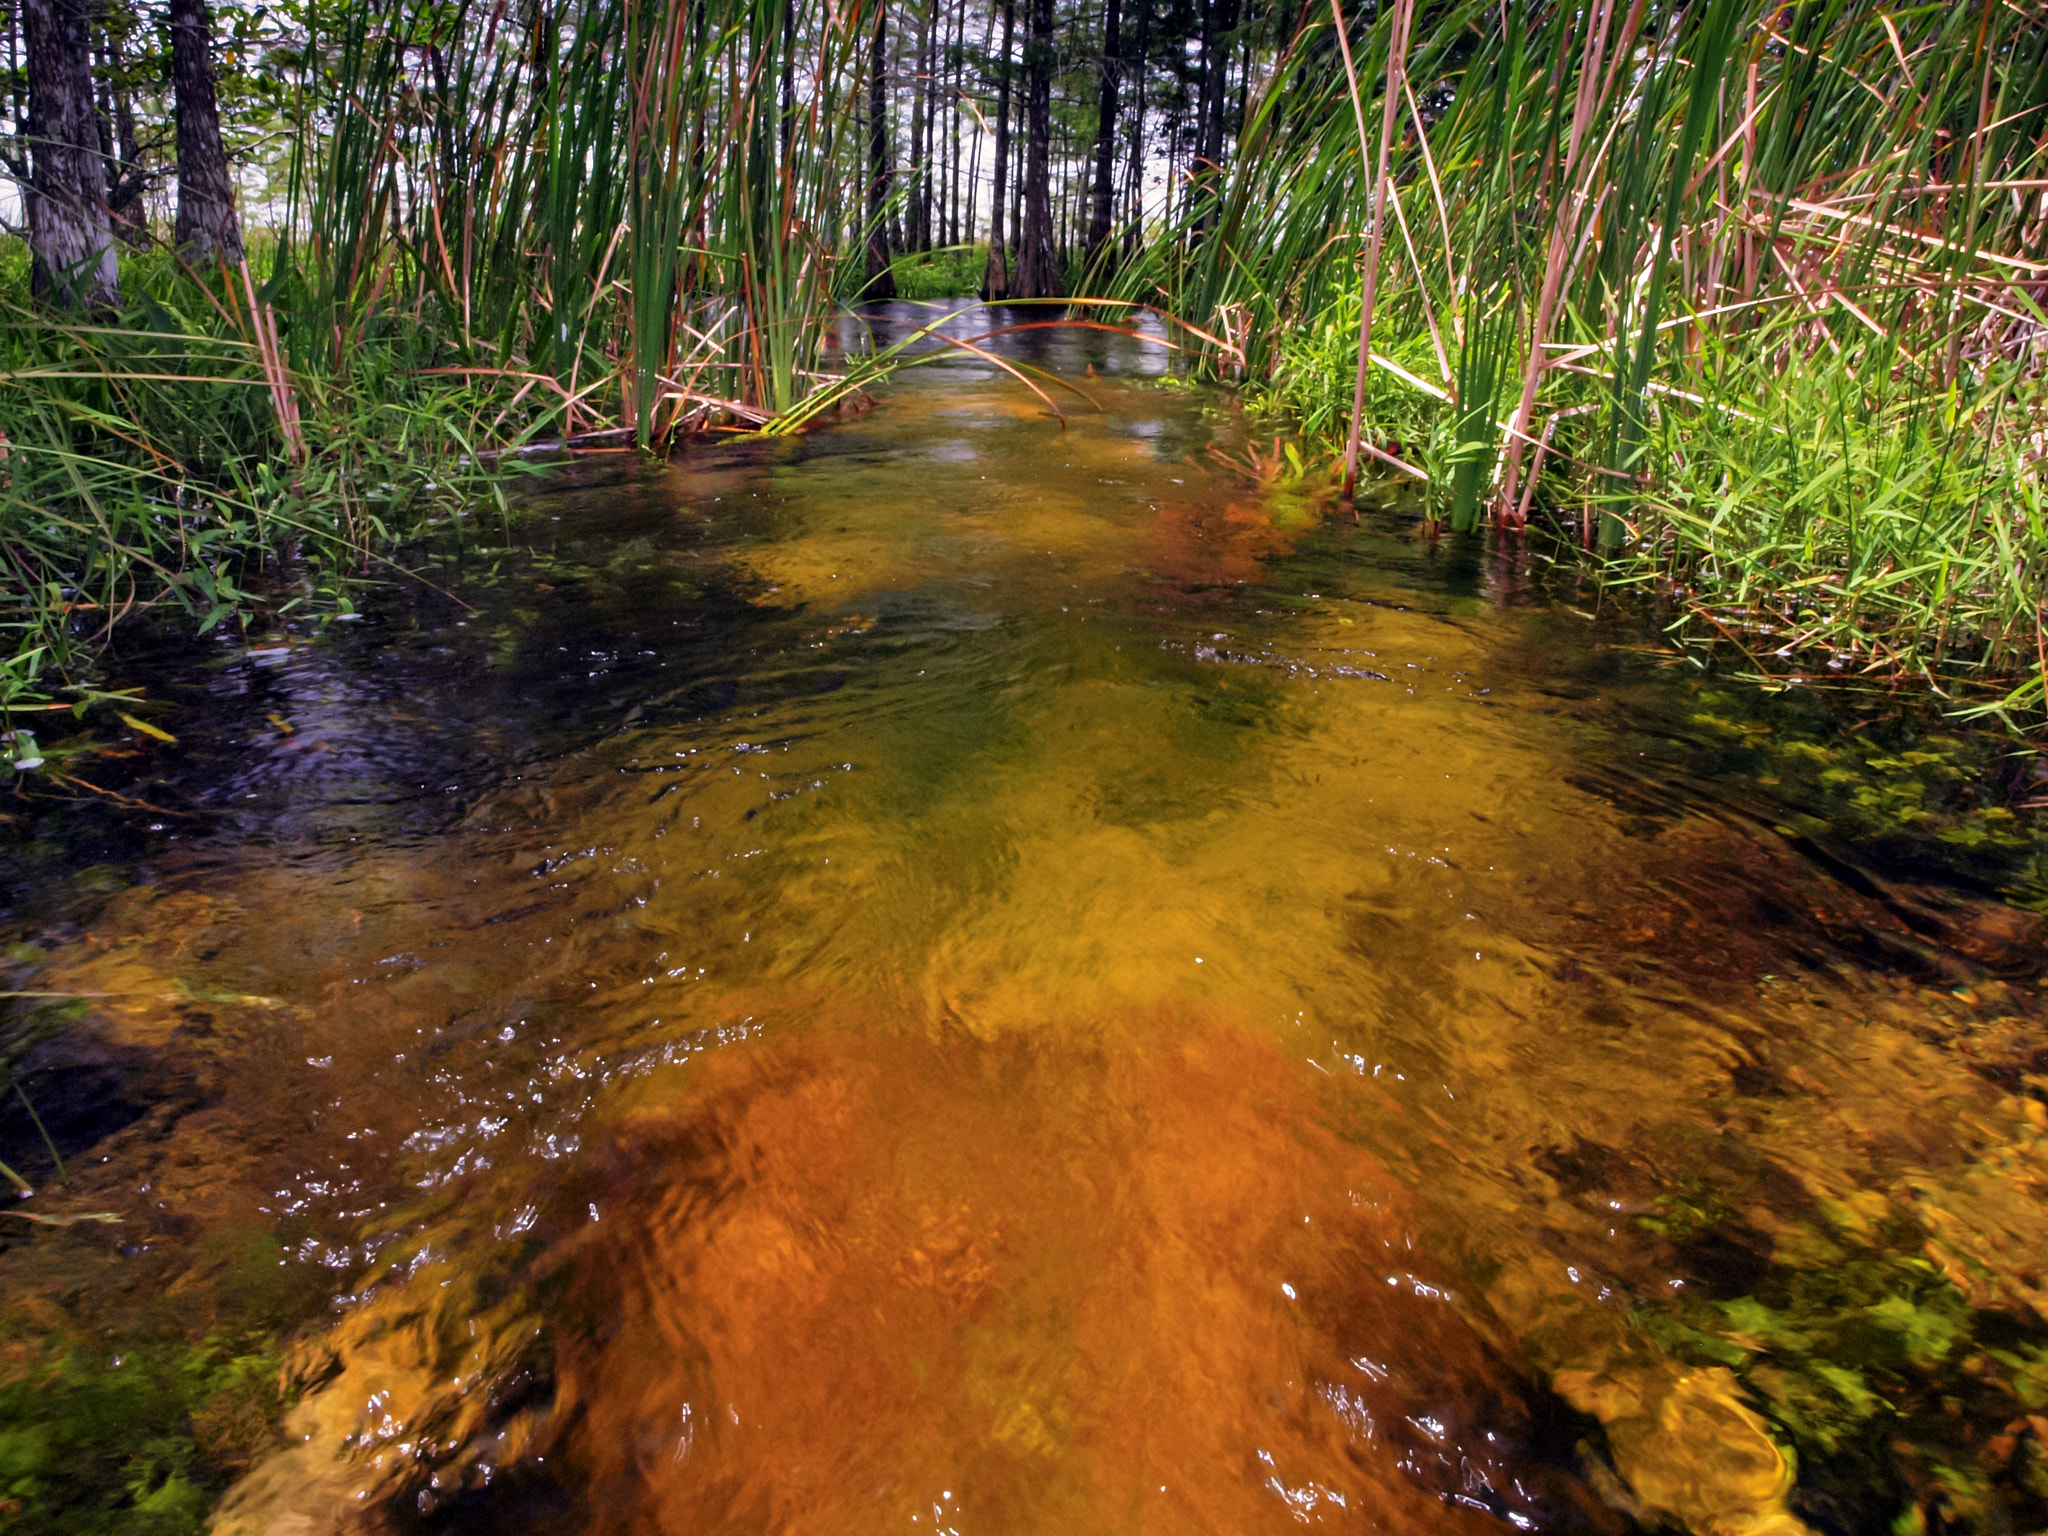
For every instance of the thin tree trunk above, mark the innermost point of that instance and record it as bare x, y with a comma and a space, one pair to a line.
971, 214
1172, 159
914, 229
1016, 178
1135, 206
995, 284
972, 225
959, 59
1198, 158
881, 282
16, 75
1038, 272
1065, 203
928, 186
1244, 93
1105, 134
71, 242
1217, 91
125, 180
939, 92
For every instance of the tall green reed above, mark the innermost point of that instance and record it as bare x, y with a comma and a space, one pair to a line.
1636, 235
501, 223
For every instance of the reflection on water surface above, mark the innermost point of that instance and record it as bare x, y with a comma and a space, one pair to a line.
960, 975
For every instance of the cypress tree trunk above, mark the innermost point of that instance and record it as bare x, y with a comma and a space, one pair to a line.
1200, 140
970, 214
1038, 271
1016, 180
1216, 83
881, 283
1105, 135
70, 238
207, 233
959, 60
17, 75
928, 94
995, 285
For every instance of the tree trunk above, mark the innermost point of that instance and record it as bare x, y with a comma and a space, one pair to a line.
959, 62
1016, 178
1134, 234
971, 214
1218, 18
1200, 144
928, 93
1216, 83
1038, 271
125, 179
208, 234
995, 285
920, 179
881, 282
17, 77
1105, 136
70, 239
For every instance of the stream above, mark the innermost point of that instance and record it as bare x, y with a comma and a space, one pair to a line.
979, 975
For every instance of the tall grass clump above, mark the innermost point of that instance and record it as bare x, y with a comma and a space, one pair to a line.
500, 225
632, 209
167, 455
1747, 296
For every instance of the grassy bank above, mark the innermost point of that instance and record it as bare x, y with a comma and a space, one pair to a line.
1745, 298
1803, 529
628, 226
952, 272
169, 456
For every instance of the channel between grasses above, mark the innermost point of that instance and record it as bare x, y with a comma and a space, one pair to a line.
1744, 298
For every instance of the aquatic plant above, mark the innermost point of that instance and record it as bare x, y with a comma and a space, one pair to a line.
1766, 282
496, 227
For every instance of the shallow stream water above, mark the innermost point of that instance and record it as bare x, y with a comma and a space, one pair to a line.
971, 975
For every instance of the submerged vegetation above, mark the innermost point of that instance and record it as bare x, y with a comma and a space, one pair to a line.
140, 1438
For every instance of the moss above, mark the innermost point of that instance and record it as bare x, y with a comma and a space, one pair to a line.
1875, 1369
139, 1439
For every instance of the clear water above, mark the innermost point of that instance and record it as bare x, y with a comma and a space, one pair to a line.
970, 975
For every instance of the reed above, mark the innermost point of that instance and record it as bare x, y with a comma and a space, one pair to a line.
502, 224
1746, 296
171, 455
645, 200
